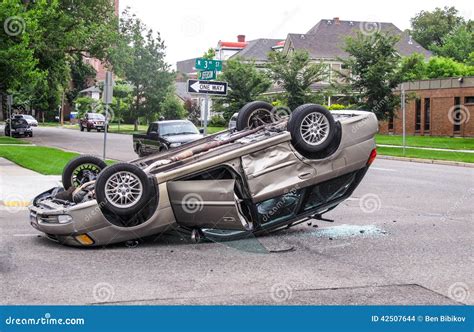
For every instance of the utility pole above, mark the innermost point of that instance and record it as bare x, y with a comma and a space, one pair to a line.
9, 105
206, 113
403, 119
107, 98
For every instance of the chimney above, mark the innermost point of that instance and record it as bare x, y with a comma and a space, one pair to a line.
241, 38
336, 20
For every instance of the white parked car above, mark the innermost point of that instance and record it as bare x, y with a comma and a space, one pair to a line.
30, 119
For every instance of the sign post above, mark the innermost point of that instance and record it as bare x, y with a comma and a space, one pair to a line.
207, 88
9, 105
403, 119
107, 98
207, 71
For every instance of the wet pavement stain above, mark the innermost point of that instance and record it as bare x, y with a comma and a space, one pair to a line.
345, 231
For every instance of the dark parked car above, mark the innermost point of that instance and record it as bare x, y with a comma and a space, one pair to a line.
18, 127
163, 135
267, 174
92, 121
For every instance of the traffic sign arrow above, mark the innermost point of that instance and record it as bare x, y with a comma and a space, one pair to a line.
207, 87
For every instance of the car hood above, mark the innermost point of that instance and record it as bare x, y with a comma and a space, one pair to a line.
183, 138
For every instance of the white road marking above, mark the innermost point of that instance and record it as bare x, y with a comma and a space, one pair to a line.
384, 169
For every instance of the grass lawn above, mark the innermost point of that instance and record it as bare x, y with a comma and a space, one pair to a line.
427, 154
213, 130
453, 143
11, 140
44, 160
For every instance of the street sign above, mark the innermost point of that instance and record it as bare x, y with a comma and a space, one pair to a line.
205, 64
207, 87
207, 75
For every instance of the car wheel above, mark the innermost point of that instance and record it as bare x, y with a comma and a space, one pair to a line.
81, 127
88, 129
81, 170
123, 189
312, 128
30, 134
254, 114
140, 151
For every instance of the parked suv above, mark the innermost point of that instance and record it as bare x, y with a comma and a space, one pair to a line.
92, 121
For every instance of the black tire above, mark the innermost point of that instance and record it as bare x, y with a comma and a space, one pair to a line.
299, 119
143, 188
81, 127
246, 113
88, 129
140, 150
74, 175
31, 134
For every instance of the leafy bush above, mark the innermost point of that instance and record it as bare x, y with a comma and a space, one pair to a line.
336, 107
217, 121
87, 105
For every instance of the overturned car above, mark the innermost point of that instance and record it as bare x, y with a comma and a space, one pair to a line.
268, 173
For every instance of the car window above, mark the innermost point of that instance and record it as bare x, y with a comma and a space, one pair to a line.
154, 127
19, 121
327, 191
94, 116
280, 208
177, 128
29, 117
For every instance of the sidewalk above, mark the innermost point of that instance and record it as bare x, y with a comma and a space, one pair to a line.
18, 185
424, 148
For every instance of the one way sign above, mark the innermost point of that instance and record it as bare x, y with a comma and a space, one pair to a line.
207, 87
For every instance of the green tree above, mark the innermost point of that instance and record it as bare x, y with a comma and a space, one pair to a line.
458, 44
439, 67
19, 72
375, 71
295, 73
146, 69
172, 108
429, 28
210, 54
413, 67
245, 82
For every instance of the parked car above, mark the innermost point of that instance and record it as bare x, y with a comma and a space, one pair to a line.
163, 135
233, 121
18, 127
30, 119
92, 121
233, 184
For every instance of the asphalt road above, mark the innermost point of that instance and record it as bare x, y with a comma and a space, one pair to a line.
119, 146
404, 237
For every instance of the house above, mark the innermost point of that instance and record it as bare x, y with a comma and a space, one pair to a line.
326, 40
257, 50
437, 107
92, 92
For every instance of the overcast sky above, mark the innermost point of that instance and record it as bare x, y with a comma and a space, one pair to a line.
190, 27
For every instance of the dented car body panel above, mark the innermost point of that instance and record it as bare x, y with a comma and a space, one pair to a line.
253, 184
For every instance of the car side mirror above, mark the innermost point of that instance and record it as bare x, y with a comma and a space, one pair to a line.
201, 131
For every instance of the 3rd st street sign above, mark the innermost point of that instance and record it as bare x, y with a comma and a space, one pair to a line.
207, 87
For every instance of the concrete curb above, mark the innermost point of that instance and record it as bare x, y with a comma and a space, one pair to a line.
428, 161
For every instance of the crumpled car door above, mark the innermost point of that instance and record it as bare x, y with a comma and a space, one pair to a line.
207, 204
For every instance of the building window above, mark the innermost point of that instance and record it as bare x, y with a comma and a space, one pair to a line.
390, 123
417, 114
469, 100
456, 114
427, 114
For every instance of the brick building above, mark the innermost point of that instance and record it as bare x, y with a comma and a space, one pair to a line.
437, 107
